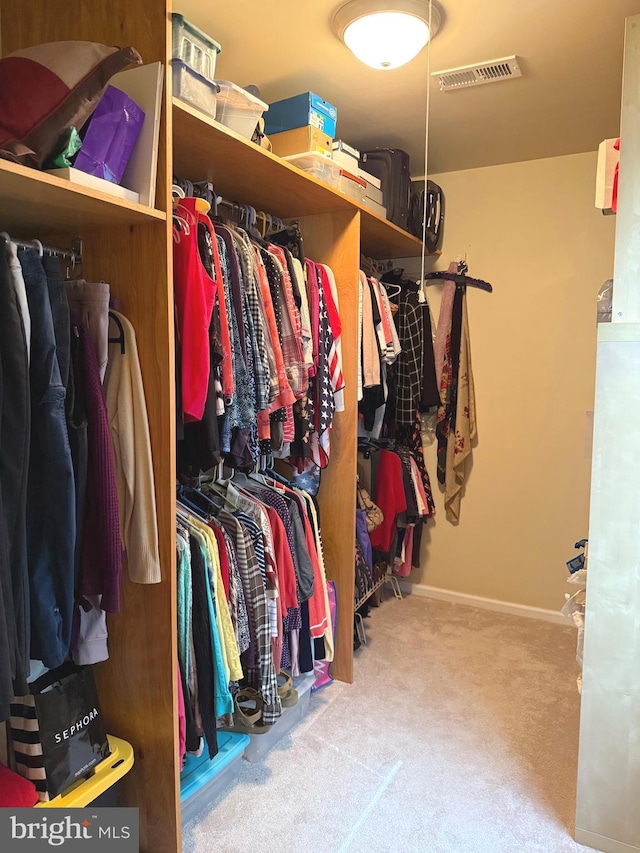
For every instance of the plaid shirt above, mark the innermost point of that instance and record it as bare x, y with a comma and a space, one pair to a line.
409, 323
262, 369
297, 371
263, 675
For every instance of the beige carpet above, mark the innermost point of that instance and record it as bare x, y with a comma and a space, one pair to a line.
459, 736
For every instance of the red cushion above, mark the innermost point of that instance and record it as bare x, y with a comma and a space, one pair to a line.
46, 89
16, 792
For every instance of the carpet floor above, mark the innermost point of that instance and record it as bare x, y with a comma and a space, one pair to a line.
459, 735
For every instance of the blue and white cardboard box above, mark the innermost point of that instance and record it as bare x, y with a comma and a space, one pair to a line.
299, 111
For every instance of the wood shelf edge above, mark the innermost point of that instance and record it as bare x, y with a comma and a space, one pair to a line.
39, 178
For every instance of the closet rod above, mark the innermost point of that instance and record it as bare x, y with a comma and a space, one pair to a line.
73, 254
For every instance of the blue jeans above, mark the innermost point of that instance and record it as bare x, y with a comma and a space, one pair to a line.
51, 509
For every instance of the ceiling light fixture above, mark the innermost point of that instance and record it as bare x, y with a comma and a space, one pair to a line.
386, 34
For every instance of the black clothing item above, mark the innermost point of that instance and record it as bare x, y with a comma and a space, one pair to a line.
202, 647
200, 447
301, 558
51, 499
411, 514
319, 649
305, 656
192, 736
430, 392
372, 398
417, 544
291, 239
15, 408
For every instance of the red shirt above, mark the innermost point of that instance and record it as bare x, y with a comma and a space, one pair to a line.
390, 497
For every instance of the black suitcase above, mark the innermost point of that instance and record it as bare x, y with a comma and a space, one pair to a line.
435, 214
391, 165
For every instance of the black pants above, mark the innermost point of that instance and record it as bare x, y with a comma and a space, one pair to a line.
51, 507
14, 462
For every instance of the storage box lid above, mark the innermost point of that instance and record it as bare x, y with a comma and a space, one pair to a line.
340, 145
370, 179
178, 63
310, 159
180, 20
239, 97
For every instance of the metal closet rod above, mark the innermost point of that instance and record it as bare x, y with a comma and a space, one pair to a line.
73, 254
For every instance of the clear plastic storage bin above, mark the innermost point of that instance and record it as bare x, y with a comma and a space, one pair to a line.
194, 47
317, 165
238, 109
194, 89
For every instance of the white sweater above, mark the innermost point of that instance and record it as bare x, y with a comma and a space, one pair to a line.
129, 425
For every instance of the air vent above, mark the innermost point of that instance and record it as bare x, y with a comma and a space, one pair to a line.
476, 75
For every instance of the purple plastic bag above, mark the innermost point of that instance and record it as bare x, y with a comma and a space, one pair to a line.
111, 134
322, 668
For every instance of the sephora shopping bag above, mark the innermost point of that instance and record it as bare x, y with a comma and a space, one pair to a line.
58, 731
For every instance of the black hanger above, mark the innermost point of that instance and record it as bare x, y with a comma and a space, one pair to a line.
203, 503
120, 338
460, 279
398, 278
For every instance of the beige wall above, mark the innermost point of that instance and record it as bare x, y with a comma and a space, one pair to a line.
531, 230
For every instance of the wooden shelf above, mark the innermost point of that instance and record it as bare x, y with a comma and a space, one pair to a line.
32, 202
204, 150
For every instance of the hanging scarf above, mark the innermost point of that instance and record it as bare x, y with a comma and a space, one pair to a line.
449, 383
444, 324
456, 427
461, 438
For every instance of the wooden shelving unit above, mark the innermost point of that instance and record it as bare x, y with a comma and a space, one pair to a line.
34, 200
204, 150
131, 247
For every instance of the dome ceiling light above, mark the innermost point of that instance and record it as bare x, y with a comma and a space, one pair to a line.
386, 34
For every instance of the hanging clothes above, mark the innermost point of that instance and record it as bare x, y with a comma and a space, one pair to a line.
129, 426
50, 510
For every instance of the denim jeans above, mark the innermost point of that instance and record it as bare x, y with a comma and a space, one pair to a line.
51, 508
59, 313
14, 462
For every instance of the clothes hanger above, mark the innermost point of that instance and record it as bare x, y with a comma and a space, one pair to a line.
461, 279
397, 290
120, 339
215, 487
263, 227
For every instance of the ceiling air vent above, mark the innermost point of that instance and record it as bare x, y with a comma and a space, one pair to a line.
476, 75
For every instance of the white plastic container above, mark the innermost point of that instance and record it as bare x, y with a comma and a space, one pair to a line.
194, 47
194, 89
260, 745
238, 109
318, 166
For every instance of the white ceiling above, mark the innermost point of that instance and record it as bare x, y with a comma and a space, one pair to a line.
567, 101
